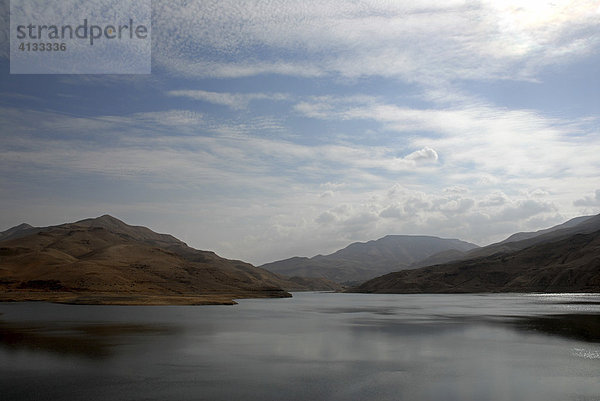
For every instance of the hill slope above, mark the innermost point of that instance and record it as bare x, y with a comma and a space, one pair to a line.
104, 260
364, 260
16, 232
569, 264
579, 225
515, 242
528, 235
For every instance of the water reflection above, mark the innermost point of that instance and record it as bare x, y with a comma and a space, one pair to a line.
313, 346
582, 327
94, 341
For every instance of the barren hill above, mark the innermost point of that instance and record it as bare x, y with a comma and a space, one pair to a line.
361, 261
104, 260
567, 264
518, 241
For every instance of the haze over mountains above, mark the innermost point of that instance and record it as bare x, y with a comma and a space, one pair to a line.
361, 261
104, 260
565, 258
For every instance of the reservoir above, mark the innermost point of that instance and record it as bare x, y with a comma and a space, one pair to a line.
314, 346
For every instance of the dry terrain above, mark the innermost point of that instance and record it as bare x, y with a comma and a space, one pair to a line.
105, 261
569, 264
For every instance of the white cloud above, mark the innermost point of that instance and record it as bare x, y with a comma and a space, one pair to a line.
456, 206
415, 41
495, 141
494, 199
394, 211
402, 210
180, 146
234, 100
210, 69
423, 155
326, 218
525, 209
589, 200
456, 190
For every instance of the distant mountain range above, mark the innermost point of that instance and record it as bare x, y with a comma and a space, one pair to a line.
361, 261
514, 242
564, 258
104, 260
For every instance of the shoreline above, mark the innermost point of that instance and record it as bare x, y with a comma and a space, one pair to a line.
93, 298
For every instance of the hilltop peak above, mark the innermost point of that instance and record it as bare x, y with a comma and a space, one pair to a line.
22, 226
139, 233
105, 259
15, 231
107, 218
361, 260
106, 221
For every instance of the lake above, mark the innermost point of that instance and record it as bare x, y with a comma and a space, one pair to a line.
314, 346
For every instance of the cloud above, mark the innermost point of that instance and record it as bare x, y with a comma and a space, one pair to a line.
459, 206
525, 209
423, 155
182, 146
235, 101
417, 42
360, 220
400, 209
456, 190
264, 195
494, 199
474, 135
192, 68
589, 200
395, 211
539, 193
326, 218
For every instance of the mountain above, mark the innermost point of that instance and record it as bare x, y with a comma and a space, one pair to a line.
578, 225
104, 260
15, 232
364, 260
441, 257
569, 263
528, 235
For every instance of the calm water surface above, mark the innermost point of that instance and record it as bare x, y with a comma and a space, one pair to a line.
315, 346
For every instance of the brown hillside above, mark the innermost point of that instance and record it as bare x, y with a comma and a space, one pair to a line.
104, 260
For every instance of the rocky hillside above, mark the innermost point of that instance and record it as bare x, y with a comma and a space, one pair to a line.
568, 264
361, 261
104, 260
522, 240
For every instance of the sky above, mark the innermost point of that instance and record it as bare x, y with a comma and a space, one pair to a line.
272, 129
